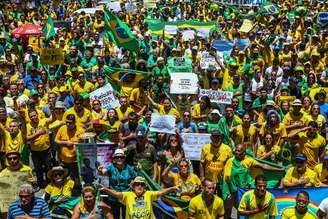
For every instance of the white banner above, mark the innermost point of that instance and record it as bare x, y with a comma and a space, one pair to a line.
217, 96
193, 144
184, 83
162, 123
106, 96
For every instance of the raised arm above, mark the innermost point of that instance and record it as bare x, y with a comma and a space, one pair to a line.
111, 192
167, 190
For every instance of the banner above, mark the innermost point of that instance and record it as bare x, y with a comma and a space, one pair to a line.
9, 185
162, 123
286, 198
193, 144
323, 18
149, 4
106, 96
90, 156
184, 83
52, 56
217, 96
208, 61
246, 26
179, 64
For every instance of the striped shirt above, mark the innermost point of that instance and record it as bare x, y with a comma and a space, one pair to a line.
39, 209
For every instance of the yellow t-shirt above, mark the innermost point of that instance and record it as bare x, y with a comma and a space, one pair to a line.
249, 201
261, 150
291, 213
138, 98
246, 136
101, 115
188, 186
172, 111
311, 147
68, 154
139, 207
16, 143
24, 168
279, 132
82, 120
42, 142
293, 176
66, 190
214, 160
320, 119
322, 173
199, 210
196, 111
87, 88
290, 119
120, 114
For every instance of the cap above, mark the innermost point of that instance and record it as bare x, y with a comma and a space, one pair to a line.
216, 132
270, 103
195, 48
215, 81
286, 88
138, 179
59, 105
57, 169
118, 153
215, 111
325, 157
297, 102
322, 92
300, 157
34, 54
160, 59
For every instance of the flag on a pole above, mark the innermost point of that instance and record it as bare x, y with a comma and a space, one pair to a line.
119, 32
48, 29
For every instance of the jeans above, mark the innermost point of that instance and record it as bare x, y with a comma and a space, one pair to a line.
41, 161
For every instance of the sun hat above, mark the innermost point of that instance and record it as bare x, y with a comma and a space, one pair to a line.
57, 169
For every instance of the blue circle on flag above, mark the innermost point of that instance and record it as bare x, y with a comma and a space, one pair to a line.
121, 32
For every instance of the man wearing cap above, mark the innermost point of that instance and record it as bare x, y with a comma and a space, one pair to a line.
82, 115
310, 142
300, 175
213, 119
139, 201
295, 119
321, 171
213, 157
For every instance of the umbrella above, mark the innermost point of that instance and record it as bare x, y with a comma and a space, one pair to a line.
27, 29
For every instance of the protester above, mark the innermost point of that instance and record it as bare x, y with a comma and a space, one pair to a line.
258, 203
300, 210
322, 211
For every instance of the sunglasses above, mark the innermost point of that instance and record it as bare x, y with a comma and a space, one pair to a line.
12, 158
173, 140
120, 157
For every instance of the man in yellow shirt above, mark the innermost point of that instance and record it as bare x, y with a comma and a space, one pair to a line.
311, 143
138, 98
206, 205
124, 109
321, 171
213, 158
139, 201
83, 86
66, 138
82, 115
37, 135
300, 210
14, 164
300, 175
258, 203
295, 119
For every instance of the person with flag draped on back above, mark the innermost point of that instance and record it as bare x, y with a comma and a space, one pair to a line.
237, 173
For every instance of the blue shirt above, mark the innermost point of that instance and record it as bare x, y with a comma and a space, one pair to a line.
32, 83
120, 180
324, 110
39, 209
192, 126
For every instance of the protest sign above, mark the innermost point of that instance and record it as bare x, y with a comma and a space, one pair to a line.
106, 96
208, 61
114, 6
35, 42
90, 156
179, 64
193, 144
184, 83
217, 96
287, 198
323, 18
246, 26
9, 185
149, 4
162, 123
52, 56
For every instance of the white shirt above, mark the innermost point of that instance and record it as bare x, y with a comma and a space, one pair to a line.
324, 207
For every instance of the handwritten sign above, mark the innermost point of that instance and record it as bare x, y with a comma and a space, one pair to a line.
323, 18
106, 96
208, 62
9, 185
217, 96
162, 123
179, 64
52, 56
184, 83
193, 144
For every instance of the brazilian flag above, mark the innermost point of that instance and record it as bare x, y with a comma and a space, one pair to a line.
48, 29
119, 32
268, 8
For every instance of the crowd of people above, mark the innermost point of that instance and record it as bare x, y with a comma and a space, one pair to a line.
278, 112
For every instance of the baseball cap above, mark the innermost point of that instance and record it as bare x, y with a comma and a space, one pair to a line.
300, 157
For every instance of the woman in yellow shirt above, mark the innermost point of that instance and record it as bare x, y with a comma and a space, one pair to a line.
97, 111
316, 116
202, 109
166, 108
268, 151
